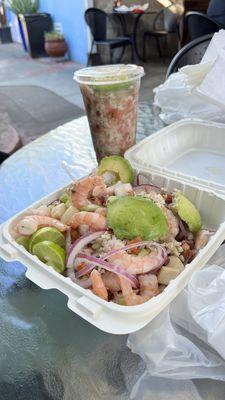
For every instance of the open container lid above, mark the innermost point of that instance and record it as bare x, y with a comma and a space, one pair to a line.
190, 150
105, 74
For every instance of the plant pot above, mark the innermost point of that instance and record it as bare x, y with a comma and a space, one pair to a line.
56, 47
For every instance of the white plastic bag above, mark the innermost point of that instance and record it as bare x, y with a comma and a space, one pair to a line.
196, 90
186, 341
149, 387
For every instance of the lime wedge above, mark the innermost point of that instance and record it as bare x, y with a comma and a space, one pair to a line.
51, 253
47, 233
23, 241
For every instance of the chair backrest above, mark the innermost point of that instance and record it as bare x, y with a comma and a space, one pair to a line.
171, 18
199, 24
97, 21
190, 54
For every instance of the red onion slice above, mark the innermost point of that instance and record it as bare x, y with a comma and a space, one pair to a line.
77, 246
162, 254
138, 179
161, 250
146, 187
109, 267
83, 271
183, 233
147, 184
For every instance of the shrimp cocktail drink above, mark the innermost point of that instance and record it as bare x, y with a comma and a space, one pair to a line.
110, 95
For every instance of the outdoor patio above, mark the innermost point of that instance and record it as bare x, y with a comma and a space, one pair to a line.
38, 95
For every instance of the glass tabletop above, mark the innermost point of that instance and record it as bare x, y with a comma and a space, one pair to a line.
46, 351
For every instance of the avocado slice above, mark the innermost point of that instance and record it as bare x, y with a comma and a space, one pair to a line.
130, 217
187, 212
119, 165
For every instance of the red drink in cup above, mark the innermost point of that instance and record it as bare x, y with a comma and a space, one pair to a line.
110, 95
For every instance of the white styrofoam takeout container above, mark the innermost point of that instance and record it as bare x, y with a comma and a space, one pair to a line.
152, 157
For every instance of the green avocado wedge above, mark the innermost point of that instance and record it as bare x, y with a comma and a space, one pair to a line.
119, 165
130, 217
187, 212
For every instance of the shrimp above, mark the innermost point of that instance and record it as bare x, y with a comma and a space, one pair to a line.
101, 211
135, 264
42, 210
28, 225
148, 289
98, 286
148, 285
119, 189
172, 222
111, 281
93, 220
84, 188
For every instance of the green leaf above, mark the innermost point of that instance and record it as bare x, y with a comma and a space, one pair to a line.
23, 6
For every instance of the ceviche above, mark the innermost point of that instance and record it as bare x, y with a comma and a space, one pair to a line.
110, 95
122, 239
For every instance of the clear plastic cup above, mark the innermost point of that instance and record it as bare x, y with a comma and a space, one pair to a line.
110, 95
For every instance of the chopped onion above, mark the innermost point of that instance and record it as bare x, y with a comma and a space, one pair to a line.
84, 283
109, 267
68, 239
109, 177
83, 229
122, 189
77, 246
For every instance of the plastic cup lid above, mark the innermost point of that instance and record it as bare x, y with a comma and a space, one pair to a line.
106, 74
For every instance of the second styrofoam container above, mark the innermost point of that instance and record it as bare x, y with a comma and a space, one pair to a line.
191, 150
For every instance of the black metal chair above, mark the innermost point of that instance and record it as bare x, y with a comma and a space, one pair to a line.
216, 11
97, 21
190, 54
3, 156
171, 22
198, 24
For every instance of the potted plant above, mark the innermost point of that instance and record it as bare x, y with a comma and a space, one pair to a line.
5, 32
32, 25
55, 44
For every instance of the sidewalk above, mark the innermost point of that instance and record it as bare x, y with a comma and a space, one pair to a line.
37, 95
17, 68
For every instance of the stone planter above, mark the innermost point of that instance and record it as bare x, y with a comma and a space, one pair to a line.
56, 47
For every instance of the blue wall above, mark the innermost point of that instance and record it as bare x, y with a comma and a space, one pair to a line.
70, 13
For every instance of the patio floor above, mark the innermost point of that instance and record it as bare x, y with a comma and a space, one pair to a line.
39, 94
